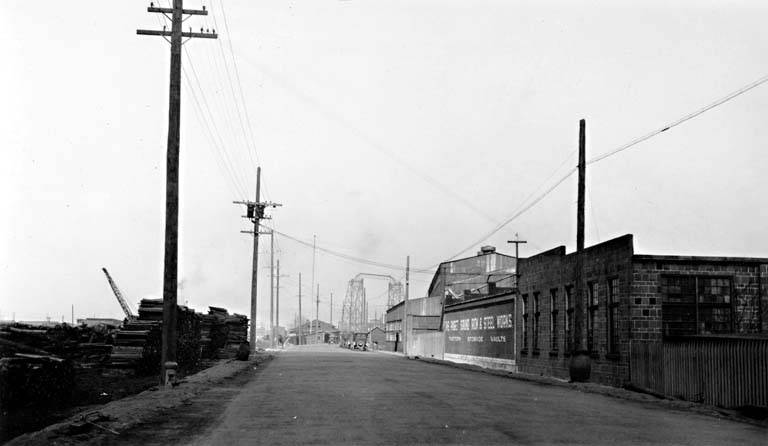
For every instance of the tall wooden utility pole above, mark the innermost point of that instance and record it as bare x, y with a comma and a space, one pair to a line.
170, 275
298, 341
580, 361
317, 312
272, 287
255, 213
405, 304
277, 295
331, 321
312, 281
255, 265
517, 243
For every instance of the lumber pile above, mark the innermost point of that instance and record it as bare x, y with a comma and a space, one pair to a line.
237, 334
38, 365
138, 343
85, 346
222, 333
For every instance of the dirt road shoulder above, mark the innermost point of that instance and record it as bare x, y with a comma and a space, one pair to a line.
109, 422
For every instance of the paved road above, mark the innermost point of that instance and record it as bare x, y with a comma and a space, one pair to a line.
328, 395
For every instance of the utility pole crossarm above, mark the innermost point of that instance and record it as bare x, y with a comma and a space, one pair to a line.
183, 11
152, 32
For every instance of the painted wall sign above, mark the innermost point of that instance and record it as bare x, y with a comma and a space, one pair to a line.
487, 332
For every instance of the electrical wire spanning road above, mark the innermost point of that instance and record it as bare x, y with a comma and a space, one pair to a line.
328, 395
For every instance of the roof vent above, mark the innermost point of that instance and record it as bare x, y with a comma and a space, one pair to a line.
487, 249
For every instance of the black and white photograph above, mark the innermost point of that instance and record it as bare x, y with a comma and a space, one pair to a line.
384, 222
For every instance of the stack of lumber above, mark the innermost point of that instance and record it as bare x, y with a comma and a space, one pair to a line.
37, 364
222, 333
85, 346
139, 338
188, 334
237, 334
151, 310
131, 342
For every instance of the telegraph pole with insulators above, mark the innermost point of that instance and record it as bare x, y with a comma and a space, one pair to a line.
168, 363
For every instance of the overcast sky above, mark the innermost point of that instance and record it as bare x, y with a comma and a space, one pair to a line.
386, 128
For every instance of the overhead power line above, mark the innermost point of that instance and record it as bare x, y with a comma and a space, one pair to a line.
619, 149
352, 258
685, 118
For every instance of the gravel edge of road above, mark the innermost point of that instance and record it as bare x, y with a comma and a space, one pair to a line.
615, 392
120, 415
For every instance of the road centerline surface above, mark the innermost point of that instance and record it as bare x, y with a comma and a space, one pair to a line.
329, 395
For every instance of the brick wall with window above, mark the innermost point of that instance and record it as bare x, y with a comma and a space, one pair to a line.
552, 274
554, 339
684, 296
593, 290
536, 325
569, 311
698, 295
525, 316
612, 317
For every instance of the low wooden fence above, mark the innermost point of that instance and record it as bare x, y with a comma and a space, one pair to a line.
728, 372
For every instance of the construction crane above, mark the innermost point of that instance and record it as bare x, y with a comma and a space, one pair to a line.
119, 295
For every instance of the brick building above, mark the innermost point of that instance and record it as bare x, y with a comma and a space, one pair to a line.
631, 298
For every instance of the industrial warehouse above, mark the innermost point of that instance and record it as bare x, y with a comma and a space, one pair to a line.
648, 321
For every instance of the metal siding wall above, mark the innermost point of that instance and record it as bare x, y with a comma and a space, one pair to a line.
725, 372
427, 345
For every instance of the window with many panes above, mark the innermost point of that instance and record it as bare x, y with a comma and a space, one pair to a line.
525, 322
569, 318
694, 305
592, 316
613, 315
553, 341
536, 314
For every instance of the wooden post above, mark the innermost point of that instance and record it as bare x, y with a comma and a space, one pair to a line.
277, 296
170, 270
298, 341
580, 366
272, 288
255, 265
405, 304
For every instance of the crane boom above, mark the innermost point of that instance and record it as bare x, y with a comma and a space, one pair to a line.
119, 295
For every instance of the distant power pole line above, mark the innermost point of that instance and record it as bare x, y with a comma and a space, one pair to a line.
312, 281
170, 277
271, 235
331, 315
255, 213
298, 341
404, 322
317, 312
277, 294
272, 286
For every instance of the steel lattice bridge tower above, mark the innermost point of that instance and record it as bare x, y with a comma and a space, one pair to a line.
354, 310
